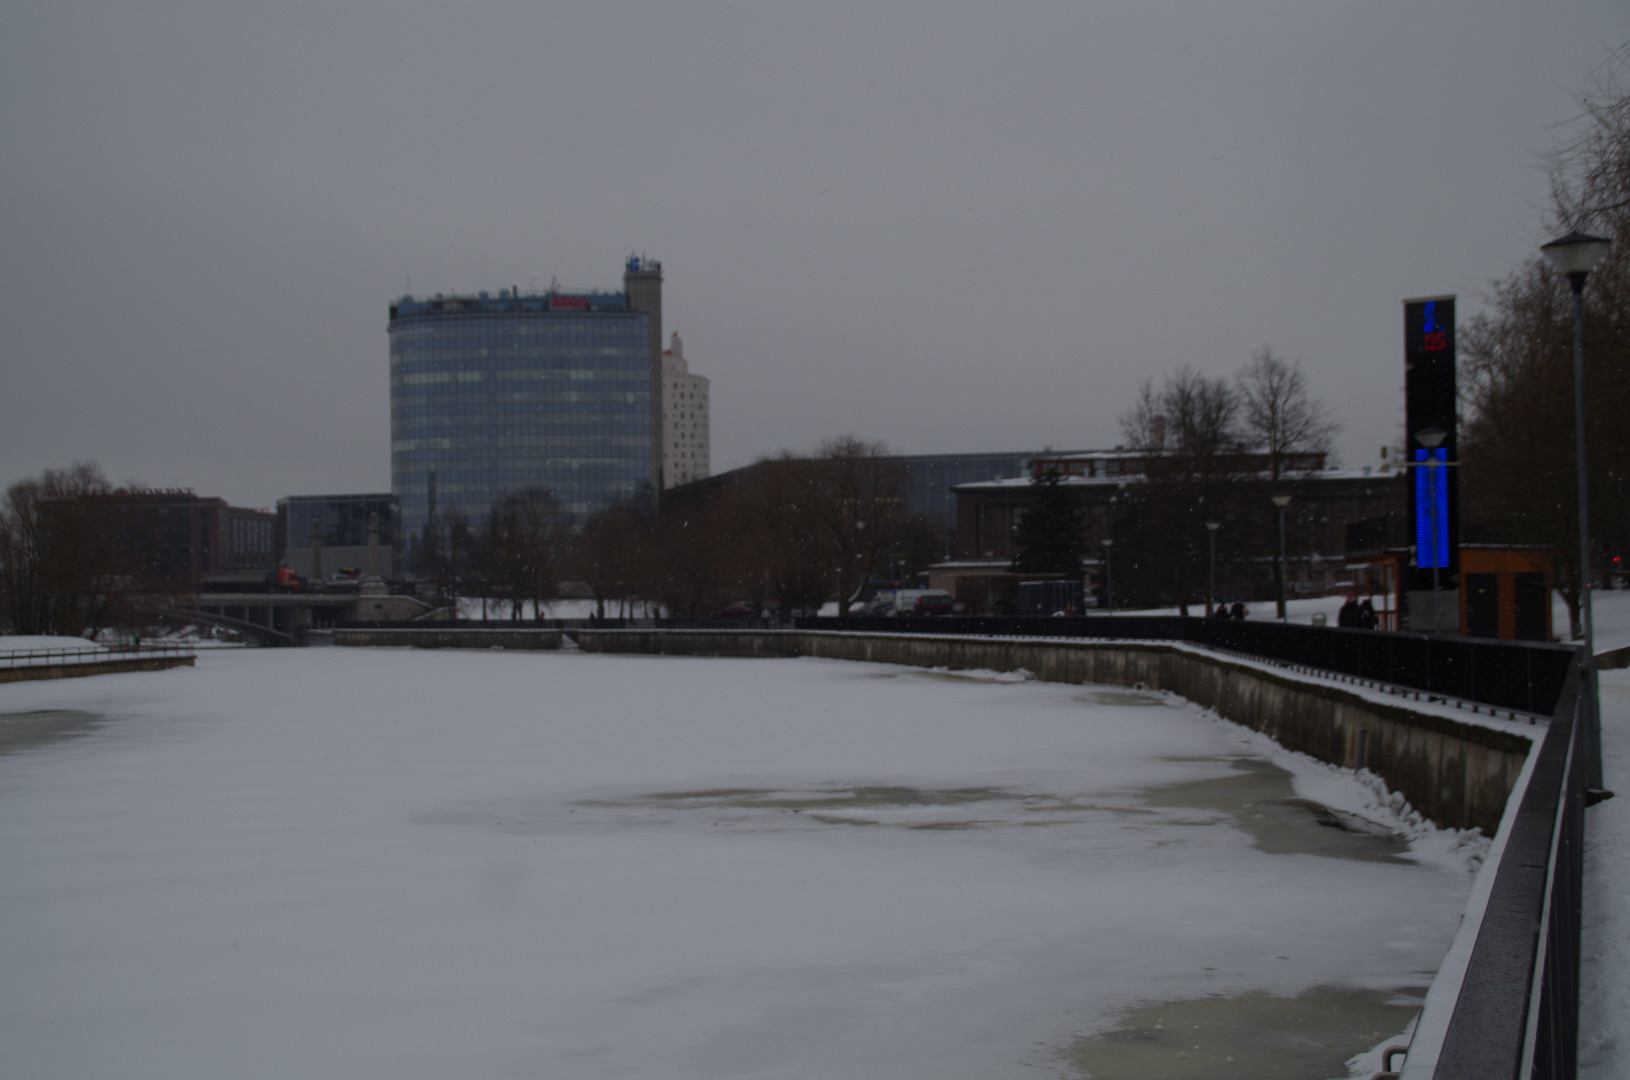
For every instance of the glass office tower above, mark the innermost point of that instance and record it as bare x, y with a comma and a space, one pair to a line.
493, 394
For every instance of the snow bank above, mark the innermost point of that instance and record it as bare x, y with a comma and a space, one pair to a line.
18, 642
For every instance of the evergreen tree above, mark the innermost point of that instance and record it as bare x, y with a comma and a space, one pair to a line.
1049, 537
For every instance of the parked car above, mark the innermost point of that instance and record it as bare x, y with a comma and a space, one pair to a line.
934, 602
741, 609
903, 602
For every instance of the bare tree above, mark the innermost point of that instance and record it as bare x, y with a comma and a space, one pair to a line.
693, 566
781, 535
1279, 416
65, 555
1188, 429
855, 495
1191, 416
522, 547
608, 554
1517, 446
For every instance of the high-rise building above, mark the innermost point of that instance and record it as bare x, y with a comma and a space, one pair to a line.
491, 394
686, 445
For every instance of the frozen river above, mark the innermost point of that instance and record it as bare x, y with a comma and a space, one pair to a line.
404, 864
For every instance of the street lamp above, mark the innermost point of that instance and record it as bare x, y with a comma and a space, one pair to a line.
1576, 255
1281, 501
1109, 588
1211, 582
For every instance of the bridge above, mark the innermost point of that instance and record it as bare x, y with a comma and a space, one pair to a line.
268, 618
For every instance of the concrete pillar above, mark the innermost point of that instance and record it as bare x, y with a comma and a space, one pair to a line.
316, 552
373, 547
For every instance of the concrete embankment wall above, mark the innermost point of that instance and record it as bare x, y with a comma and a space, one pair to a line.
1457, 774
452, 639
99, 667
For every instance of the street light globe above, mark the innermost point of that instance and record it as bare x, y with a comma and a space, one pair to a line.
1576, 253
1106, 541
1213, 525
1281, 501
1431, 437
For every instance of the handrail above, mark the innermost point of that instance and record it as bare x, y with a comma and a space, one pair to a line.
90, 654
1516, 1013
1522, 676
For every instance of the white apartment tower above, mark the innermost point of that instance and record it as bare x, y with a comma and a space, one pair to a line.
685, 441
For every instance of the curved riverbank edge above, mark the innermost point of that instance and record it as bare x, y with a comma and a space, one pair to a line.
1457, 771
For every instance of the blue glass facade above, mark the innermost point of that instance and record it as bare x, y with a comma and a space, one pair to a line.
930, 478
489, 395
1432, 508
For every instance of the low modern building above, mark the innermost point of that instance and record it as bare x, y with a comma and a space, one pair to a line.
686, 443
342, 533
929, 479
179, 540
1324, 503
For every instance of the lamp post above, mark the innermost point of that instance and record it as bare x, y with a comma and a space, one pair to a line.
1576, 255
1281, 501
1109, 587
1211, 580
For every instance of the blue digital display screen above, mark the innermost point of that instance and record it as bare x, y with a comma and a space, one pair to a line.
1432, 509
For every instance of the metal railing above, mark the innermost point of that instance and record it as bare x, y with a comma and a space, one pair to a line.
1516, 675
91, 654
1516, 1013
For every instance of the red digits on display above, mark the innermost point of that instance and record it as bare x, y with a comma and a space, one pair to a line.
1435, 342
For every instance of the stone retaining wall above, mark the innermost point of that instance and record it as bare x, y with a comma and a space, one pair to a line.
1457, 774
96, 667
452, 639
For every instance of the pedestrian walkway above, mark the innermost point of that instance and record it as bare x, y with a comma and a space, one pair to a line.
1604, 985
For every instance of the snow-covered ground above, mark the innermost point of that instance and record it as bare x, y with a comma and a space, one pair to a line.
1610, 611
1300, 610
1604, 996
1610, 616
43, 643
471, 607
399, 863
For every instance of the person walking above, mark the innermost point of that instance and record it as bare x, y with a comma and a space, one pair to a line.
1366, 615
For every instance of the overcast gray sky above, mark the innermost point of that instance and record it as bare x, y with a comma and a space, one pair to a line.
948, 226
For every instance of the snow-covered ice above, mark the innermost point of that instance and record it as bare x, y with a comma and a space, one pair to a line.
401, 863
